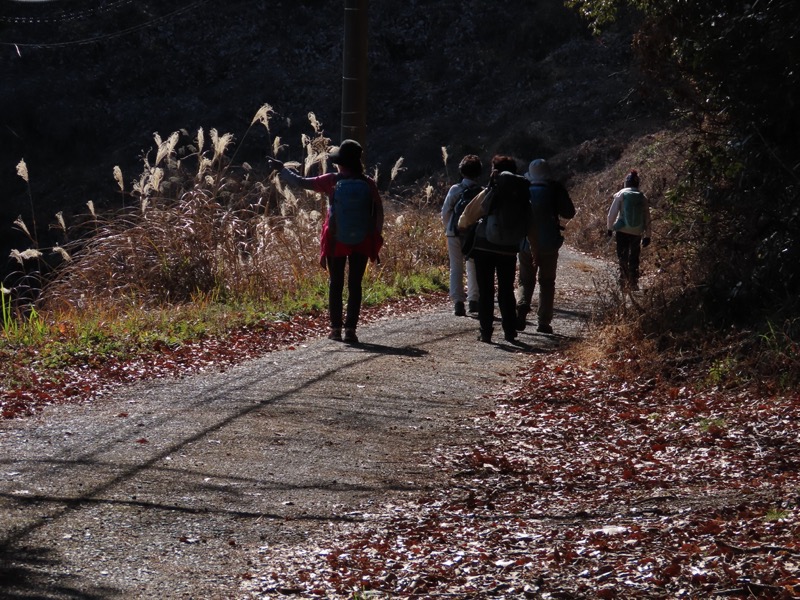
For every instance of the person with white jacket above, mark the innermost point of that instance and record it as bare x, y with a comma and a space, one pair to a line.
629, 217
470, 168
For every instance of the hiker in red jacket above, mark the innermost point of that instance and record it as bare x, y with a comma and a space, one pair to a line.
351, 231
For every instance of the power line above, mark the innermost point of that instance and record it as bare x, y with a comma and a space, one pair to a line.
107, 36
67, 16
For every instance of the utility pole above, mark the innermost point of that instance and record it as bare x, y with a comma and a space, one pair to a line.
354, 71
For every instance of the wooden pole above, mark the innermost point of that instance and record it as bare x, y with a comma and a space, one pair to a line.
354, 71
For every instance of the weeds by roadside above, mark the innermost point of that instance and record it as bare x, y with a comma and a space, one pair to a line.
203, 247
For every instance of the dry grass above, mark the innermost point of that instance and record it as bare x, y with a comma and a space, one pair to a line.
196, 226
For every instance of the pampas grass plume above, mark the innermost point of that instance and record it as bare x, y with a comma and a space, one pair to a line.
263, 116
26, 255
165, 148
200, 140
21, 224
220, 142
398, 166
118, 178
64, 254
22, 170
317, 126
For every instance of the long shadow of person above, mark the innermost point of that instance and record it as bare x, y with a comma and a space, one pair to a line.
389, 350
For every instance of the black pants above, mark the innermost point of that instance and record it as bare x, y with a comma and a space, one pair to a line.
355, 274
629, 249
487, 265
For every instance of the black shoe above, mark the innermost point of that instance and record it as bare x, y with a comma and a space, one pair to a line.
522, 314
335, 334
473, 306
511, 336
486, 338
544, 328
350, 336
459, 310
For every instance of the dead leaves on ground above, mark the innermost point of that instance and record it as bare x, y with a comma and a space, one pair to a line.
584, 486
90, 378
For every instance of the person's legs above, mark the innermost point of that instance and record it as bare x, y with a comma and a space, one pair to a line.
355, 275
472, 286
623, 256
484, 271
335, 289
526, 283
633, 264
547, 264
506, 266
456, 269
526, 278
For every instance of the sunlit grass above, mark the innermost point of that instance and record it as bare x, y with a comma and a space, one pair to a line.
201, 248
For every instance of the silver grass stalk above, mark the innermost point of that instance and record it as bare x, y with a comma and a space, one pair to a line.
60, 218
263, 116
276, 145
21, 224
445, 156
221, 142
204, 164
64, 254
398, 166
22, 170
167, 147
28, 254
118, 178
90, 205
156, 178
200, 140
312, 118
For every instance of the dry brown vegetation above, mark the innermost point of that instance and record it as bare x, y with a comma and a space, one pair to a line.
198, 226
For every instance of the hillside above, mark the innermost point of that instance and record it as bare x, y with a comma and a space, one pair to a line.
85, 88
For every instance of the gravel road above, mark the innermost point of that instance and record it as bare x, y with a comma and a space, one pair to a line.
167, 489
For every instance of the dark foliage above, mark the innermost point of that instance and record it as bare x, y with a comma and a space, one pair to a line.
731, 69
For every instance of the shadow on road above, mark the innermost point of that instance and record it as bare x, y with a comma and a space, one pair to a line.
22, 576
390, 350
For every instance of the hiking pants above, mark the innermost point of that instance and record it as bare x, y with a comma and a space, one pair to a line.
487, 265
629, 249
355, 274
457, 268
543, 264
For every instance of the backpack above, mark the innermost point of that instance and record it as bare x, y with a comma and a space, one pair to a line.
467, 194
631, 214
509, 212
545, 215
351, 210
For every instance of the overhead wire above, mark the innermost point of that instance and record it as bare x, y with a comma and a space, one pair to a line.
107, 36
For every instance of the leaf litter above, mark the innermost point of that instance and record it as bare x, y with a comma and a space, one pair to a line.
583, 486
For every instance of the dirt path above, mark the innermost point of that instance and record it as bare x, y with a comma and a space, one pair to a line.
167, 489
